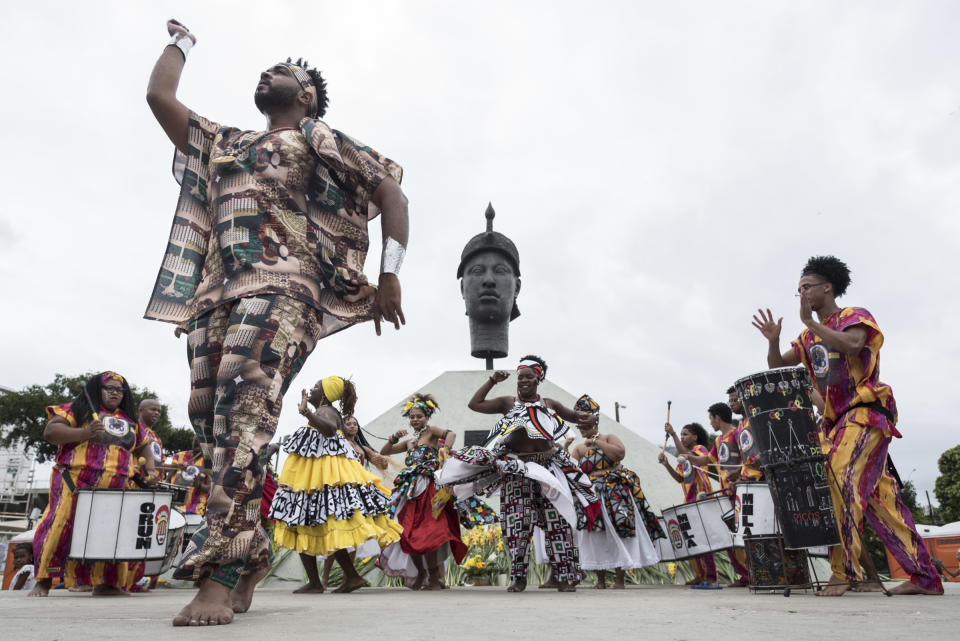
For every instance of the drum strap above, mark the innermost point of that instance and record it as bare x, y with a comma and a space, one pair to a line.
876, 406
67, 479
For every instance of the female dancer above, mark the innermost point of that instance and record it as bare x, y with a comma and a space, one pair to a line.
326, 504
694, 480
622, 537
98, 442
431, 529
366, 455
539, 483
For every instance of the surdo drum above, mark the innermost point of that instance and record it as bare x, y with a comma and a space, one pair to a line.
698, 528
120, 525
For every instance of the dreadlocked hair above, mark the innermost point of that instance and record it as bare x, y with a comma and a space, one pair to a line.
82, 411
318, 82
697, 430
423, 402
348, 402
538, 360
831, 268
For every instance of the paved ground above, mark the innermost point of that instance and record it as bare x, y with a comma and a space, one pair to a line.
395, 614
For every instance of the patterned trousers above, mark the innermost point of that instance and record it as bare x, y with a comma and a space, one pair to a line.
860, 486
243, 357
524, 506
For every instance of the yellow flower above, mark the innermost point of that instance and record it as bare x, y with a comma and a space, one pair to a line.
499, 546
672, 569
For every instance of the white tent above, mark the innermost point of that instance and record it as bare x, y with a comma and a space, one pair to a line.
454, 389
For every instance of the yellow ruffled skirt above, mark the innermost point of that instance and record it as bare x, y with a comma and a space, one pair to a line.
326, 501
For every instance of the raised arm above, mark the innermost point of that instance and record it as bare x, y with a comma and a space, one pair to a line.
394, 445
567, 414
499, 405
849, 341
172, 115
324, 418
771, 331
668, 428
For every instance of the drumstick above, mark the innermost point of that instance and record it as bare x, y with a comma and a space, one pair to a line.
666, 439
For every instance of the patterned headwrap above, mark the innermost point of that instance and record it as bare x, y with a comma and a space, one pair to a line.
418, 402
306, 82
535, 366
332, 388
587, 404
106, 377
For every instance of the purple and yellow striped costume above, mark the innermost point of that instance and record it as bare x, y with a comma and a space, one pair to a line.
859, 421
102, 463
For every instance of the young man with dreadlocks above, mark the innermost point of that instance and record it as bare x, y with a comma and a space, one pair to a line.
841, 350
264, 259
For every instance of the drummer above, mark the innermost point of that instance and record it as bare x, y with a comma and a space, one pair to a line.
98, 441
693, 440
725, 454
749, 453
187, 471
150, 411
841, 350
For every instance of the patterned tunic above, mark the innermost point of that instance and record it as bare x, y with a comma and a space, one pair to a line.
726, 453
619, 490
849, 382
276, 212
695, 479
196, 501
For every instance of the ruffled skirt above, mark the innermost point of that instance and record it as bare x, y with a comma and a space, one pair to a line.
326, 501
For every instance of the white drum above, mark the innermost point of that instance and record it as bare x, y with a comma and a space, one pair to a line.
174, 537
120, 525
755, 512
698, 528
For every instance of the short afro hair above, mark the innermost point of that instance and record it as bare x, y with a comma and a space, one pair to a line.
831, 268
538, 360
322, 99
721, 411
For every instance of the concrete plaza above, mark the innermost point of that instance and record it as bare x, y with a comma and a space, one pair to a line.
462, 614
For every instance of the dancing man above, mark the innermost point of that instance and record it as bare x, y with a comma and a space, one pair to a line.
841, 349
264, 260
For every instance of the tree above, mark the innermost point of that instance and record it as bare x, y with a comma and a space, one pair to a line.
23, 415
947, 487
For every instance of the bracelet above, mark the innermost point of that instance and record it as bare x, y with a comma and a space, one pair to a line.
392, 256
493, 380
181, 42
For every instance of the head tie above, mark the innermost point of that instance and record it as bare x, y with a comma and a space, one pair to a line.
427, 406
535, 366
306, 82
106, 377
587, 404
332, 388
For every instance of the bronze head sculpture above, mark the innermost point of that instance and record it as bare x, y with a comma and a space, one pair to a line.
490, 273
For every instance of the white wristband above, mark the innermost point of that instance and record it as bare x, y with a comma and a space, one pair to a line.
181, 42
392, 257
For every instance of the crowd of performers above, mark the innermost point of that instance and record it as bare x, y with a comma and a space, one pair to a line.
572, 499
265, 259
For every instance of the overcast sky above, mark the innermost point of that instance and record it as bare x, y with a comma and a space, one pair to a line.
664, 168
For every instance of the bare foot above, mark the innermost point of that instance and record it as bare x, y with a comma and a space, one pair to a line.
349, 585
563, 586
549, 584
108, 590
42, 588
867, 586
619, 586
418, 582
242, 594
210, 606
835, 587
309, 588
436, 579
599, 585
518, 586
908, 587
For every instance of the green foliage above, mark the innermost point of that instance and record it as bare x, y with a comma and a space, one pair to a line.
23, 415
947, 487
